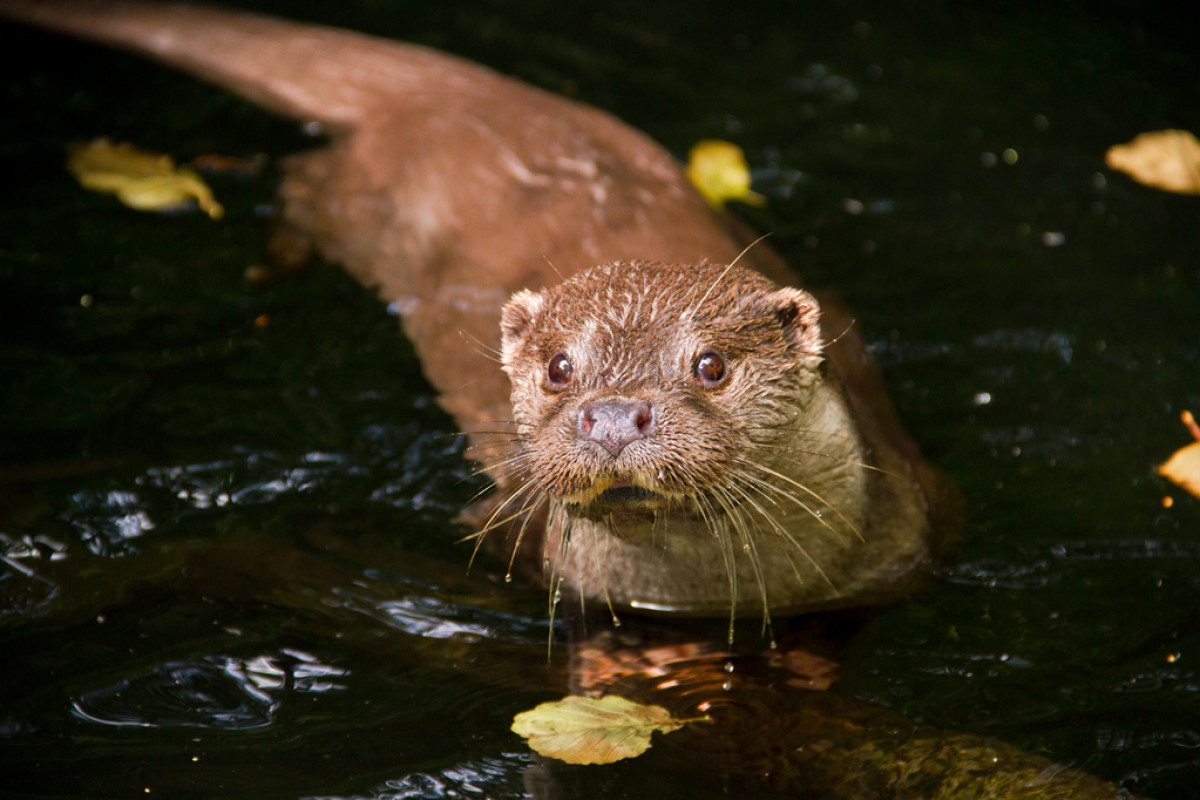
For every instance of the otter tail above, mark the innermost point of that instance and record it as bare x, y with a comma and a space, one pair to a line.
304, 71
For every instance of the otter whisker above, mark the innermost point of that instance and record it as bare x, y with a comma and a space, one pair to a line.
491, 523
478, 535
600, 574
812, 512
691, 313
556, 576
516, 548
482, 348
550, 264
508, 436
845, 331
853, 462
729, 557
514, 459
774, 524
513, 469
789, 429
750, 547
812, 493
791, 539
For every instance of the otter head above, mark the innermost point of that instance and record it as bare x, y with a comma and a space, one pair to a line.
644, 389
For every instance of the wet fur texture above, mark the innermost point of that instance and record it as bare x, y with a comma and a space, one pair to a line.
749, 492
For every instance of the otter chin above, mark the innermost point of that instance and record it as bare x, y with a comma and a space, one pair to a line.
680, 423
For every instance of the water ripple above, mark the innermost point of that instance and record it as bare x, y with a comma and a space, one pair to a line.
108, 520
437, 618
1030, 568
220, 692
489, 777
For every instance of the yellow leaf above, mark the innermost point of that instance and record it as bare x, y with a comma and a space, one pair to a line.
141, 180
719, 170
1184, 468
584, 730
1167, 160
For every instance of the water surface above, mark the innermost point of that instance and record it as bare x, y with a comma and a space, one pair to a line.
230, 561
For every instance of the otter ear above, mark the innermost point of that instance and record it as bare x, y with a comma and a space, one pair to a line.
798, 315
517, 319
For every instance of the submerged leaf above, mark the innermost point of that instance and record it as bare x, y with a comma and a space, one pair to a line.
584, 730
1167, 160
719, 170
141, 180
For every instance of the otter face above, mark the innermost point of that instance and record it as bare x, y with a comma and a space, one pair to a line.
641, 388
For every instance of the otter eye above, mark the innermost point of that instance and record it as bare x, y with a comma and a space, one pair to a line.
558, 372
710, 369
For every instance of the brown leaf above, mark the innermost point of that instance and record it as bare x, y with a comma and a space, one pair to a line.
1167, 160
584, 730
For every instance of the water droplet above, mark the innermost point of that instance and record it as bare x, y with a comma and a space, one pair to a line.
729, 666
727, 685
616, 621
508, 577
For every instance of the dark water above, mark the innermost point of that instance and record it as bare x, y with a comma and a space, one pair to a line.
230, 561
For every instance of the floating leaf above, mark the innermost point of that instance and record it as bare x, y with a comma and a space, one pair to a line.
141, 180
1184, 467
584, 730
1167, 160
719, 170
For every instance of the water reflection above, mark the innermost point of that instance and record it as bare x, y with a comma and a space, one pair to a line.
427, 613
108, 520
479, 778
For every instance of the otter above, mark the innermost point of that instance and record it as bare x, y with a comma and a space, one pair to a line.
696, 454
676, 426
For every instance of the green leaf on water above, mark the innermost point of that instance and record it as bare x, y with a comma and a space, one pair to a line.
584, 730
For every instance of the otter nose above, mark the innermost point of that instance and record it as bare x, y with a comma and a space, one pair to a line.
613, 424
